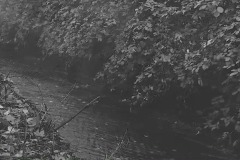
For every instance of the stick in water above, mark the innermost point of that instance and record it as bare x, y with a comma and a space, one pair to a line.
70, 119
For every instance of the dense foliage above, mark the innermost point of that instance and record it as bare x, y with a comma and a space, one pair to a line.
149, 45
182, 45
148, 48
26, 130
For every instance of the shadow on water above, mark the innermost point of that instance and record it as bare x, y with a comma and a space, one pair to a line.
98, 130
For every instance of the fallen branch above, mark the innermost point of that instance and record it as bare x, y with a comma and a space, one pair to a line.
70, 119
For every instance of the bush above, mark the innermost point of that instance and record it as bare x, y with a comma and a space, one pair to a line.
27, 132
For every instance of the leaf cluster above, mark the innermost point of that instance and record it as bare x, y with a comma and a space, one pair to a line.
26, 130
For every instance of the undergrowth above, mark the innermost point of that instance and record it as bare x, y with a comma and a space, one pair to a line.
27, 131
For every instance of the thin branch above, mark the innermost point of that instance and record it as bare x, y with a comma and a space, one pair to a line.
25, 137
75, 84
85, 107
118, 146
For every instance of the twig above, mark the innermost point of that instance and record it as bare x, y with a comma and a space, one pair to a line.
7, 75
70, 119
68, 93
25, 137
213, 149
118, 146
219, 157
53, 144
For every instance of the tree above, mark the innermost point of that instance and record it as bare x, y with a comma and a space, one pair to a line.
166, 44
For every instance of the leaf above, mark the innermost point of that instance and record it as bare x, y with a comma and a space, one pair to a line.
6, 154
178, 36
19, 154
227, 59
237, 126
233, 74
237, 19
220, 9
39, 134
200, 82
202, 7
59, 157
10, 119
11, 130
19, 101
99, 37
29, 120
10, 97
7, 112
4, 123
166, 58
33, 122
25, 111
236, 92
205, 66
216, 14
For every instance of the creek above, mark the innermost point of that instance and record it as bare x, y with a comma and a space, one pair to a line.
98, 131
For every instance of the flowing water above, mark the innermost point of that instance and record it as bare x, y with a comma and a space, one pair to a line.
100, 129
